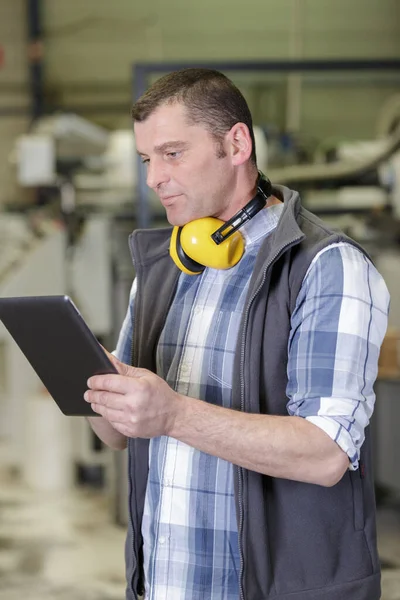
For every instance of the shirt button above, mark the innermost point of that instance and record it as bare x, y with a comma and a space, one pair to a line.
185, 369
162, 540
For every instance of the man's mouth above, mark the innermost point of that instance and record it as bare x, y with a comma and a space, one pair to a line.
168, 200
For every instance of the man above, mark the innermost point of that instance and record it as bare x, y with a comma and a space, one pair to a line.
246, 413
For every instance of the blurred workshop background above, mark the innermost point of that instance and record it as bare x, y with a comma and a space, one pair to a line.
322, 79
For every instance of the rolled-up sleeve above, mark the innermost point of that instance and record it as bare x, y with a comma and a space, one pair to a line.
337, 328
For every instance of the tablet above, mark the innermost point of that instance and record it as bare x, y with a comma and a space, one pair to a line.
59, 345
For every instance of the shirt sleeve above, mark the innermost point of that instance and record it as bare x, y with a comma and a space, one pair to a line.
337, 329
123, 351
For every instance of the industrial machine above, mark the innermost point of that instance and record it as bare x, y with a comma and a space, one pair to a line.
84, 174
92, 177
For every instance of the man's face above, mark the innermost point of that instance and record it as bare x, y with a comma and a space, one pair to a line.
183, 165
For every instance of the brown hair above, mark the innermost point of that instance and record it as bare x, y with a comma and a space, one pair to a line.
211, 99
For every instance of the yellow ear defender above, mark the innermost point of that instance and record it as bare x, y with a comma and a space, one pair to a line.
213, 243
192, 247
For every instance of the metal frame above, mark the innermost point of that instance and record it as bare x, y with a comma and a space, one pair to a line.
36, 72
141, 72
36, 108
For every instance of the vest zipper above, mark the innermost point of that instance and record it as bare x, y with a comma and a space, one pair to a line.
140, 587
133, 361
242, 354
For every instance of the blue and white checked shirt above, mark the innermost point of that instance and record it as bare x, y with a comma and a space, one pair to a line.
189, 525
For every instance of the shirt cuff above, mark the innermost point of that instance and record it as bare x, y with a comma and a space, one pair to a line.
340, 435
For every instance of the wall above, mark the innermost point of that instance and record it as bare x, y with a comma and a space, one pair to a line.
96, 42
91, 46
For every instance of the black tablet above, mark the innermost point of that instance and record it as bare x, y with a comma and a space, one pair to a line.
59, 345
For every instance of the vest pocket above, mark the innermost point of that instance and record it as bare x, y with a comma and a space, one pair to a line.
358, 499
223, 346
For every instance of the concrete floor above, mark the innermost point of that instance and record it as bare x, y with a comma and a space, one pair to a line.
63, 546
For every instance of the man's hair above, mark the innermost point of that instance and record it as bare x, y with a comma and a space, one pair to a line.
210, 99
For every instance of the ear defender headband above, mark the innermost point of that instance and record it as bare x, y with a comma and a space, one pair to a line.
210, 242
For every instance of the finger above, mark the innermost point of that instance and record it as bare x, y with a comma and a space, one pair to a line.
123, 368
138, 372
113, 416
115, 401
119, 384
127, 370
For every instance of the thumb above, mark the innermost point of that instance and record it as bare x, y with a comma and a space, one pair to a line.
124, 369
121, 367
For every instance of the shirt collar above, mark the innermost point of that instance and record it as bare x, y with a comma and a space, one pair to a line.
262, 224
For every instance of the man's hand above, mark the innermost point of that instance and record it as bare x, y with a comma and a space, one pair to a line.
136, 402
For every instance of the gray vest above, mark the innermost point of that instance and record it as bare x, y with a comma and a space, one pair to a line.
298, 541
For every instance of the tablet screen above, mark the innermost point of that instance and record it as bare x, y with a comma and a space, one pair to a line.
59, 345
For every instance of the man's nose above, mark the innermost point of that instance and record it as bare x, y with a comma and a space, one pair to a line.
156, 173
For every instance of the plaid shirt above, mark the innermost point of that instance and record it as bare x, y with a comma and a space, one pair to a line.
189, 524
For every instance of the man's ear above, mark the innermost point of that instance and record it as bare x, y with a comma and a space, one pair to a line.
239, 143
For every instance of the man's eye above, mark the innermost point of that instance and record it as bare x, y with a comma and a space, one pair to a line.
174, 154
145, 161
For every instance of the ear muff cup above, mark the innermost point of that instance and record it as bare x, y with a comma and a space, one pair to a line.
179, 256
192, 248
